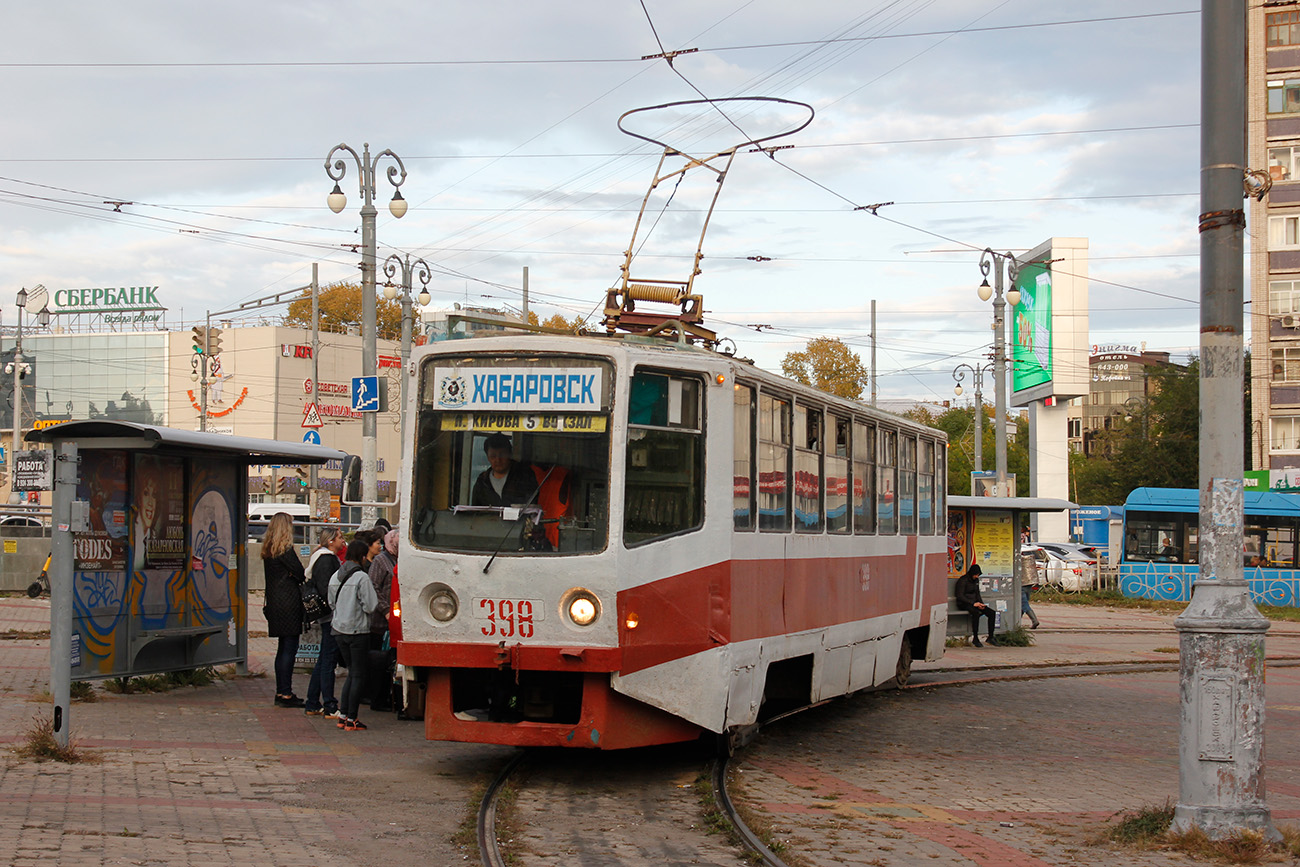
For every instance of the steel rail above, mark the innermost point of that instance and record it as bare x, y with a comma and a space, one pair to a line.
489, 851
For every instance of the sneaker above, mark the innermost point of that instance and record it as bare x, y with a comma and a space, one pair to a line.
355, 725
333, 714
315, 712
343, 722
288, 701
1035, 626
991, 641
977, 643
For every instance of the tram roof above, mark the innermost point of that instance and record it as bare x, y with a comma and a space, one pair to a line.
1188, 500
1023, 504
132, 435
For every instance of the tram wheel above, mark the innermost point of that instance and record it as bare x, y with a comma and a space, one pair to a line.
903, 670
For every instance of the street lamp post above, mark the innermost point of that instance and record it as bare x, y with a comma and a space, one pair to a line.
990, 261
18, 368
411, 268
977, 377
366, 169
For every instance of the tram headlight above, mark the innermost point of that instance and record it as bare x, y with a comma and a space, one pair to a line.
581, 607
443, 604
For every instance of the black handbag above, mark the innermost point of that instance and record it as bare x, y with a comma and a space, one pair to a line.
313, 606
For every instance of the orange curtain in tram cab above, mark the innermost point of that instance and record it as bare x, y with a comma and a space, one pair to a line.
553, 497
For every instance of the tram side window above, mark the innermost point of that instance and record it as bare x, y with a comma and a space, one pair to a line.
742, 477
1157, 537
864, 478
925, 489
1270, 541
773, 464
664, 487
807, 470
886, 490
907, 484
837, 476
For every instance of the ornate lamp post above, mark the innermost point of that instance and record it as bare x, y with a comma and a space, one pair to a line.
977, 376
410, 268
366, 169
990, 261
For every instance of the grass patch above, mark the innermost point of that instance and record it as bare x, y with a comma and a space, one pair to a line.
715, 822
40, 744
163, 682
1018, 637
1148, 829
25, 635
955, 641
1115, 599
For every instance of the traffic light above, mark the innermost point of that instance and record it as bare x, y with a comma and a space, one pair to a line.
285, 485
304, 478
351, 479
200, 339
214, 341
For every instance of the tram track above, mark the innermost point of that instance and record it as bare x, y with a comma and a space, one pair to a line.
625, 771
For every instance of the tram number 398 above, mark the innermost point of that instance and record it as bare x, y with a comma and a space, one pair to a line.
507, 618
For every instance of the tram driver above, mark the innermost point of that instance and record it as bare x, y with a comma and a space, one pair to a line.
505, 482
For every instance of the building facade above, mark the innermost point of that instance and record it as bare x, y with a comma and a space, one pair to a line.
1273, 111
260, 385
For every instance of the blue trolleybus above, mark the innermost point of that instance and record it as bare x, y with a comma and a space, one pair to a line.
1159, 559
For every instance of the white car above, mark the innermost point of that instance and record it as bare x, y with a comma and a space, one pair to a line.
1070, 573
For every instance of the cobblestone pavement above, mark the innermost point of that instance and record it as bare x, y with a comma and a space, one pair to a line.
1024, 772
218, 776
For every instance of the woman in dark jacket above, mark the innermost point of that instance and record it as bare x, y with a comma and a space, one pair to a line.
284, 614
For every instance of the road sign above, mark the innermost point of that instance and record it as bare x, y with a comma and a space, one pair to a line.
312, 436
365, 394
312, 417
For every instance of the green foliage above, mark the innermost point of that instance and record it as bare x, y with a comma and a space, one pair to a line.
958, 422
827, 364
1143, 827
1154, 444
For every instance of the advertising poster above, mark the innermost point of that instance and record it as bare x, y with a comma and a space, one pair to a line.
159, 508
993, 542
103, 484
958, 542
1031, 328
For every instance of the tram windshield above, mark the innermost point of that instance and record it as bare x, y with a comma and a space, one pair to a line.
512, 455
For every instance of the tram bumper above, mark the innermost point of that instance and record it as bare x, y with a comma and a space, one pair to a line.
537, 696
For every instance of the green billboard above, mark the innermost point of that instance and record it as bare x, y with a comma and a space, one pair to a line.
1031, 328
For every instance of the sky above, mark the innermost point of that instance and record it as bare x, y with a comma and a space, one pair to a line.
982, 123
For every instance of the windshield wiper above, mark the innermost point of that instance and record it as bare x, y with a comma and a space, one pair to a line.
522, 512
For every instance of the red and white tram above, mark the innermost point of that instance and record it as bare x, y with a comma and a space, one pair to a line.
663, 578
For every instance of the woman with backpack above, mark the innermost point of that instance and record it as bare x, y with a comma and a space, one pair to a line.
352, 599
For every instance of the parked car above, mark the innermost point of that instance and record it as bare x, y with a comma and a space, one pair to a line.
1073, 550
1069, 572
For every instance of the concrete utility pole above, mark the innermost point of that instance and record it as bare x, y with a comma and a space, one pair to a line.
315, 365
61, 557
1221, 634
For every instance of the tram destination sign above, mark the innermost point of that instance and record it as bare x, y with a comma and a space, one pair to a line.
515, 422
545, 389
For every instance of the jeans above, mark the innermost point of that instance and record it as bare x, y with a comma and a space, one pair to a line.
354, 650
1024, 606
286, 652
320, 689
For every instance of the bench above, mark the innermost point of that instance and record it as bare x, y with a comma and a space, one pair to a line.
190, 637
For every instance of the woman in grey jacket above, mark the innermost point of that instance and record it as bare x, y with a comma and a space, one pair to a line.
352, 598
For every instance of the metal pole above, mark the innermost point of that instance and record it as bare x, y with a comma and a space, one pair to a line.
873, 352
315, 359
404, 375
525, 294
979, 420
369, 336
1221, 634
203, 373
14, 496
1000, 383
61, 550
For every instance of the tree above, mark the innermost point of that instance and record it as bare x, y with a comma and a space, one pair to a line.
958, 423
340, 306
827, 364
559, 323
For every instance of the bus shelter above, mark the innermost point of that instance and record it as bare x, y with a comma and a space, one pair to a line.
157, 520
987, 531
